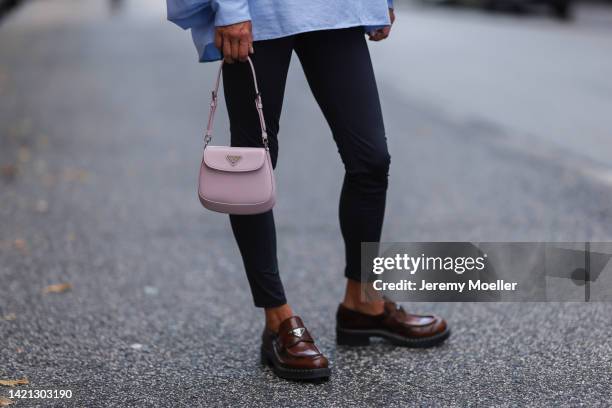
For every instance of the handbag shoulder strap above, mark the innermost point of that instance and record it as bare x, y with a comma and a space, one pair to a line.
258, 106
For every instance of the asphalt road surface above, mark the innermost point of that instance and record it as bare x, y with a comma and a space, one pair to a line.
499, 129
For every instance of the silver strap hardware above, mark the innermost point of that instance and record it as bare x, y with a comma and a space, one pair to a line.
258, 106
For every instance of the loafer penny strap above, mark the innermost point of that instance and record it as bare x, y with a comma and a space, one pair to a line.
399, 316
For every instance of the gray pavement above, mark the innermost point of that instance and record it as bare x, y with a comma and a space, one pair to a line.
100, 117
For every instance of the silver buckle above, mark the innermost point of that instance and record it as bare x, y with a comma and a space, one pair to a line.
264, 137
207, 139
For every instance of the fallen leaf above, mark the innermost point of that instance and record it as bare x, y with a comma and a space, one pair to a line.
20, 244
5, 402
57, 288
75, 175
23, 154
8, 172
10, 316
12, 383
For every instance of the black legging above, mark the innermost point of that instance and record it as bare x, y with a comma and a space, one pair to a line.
339, 71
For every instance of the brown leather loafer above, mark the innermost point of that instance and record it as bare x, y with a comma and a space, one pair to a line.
394, 324
292, 353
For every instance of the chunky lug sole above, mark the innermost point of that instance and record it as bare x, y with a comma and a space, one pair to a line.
313, 374
348, 337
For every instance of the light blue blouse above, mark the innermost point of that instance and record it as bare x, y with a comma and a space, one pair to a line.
273, 18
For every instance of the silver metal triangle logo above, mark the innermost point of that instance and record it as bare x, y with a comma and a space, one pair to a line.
298, 332
233, 159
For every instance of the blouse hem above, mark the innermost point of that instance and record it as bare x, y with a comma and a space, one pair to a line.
210, 58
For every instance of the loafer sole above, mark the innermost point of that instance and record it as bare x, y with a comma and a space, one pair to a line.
311, 374
350, 337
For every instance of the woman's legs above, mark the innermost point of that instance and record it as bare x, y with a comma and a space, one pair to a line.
256, 234
339, 71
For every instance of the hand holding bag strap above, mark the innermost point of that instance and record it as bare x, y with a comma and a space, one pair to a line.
258, 106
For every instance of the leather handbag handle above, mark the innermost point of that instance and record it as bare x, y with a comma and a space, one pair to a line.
258, 106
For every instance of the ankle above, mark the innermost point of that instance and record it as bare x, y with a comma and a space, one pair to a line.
276, 315
370, 308
355, 299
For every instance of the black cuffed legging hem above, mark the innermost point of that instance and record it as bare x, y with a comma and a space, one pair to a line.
268, 303
339, 71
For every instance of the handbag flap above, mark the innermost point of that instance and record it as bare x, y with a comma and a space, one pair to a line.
234, 159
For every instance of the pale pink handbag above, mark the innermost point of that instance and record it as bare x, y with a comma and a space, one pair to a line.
237, 180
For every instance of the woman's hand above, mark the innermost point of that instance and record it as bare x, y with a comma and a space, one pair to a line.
235, 41
382, 33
